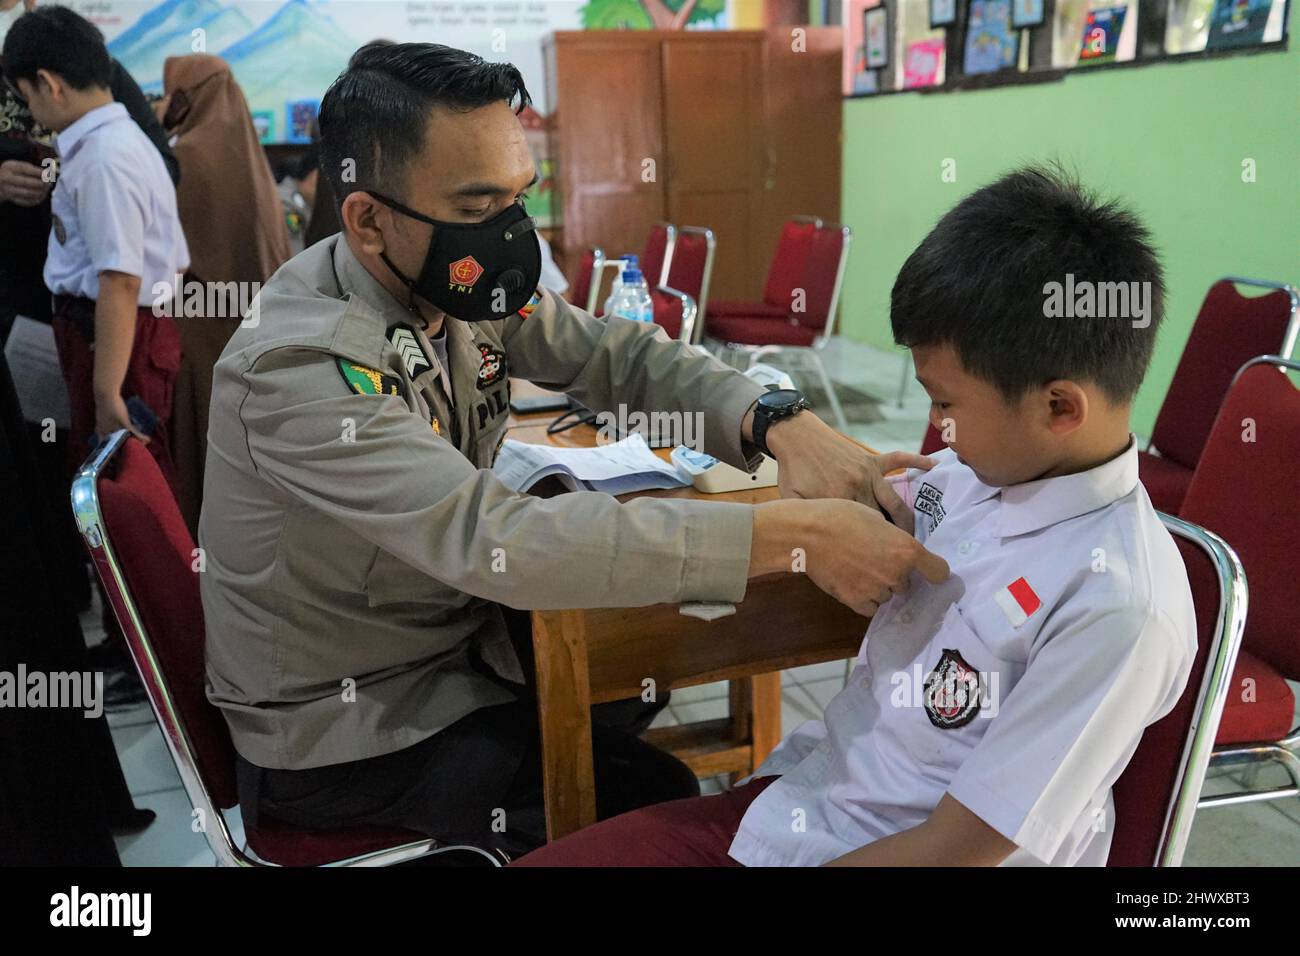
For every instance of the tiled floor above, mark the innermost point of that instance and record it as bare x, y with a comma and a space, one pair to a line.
1262, 834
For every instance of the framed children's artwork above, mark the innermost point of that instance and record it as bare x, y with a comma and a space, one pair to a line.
300, 115
922, 63
943, 13
264, 125
1236, 23
1101, 30
1027, 13
875, 32
992, 44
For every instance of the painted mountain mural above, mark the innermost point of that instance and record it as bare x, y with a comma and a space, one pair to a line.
168, 30
295, 54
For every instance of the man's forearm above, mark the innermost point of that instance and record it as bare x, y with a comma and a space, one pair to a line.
115, 312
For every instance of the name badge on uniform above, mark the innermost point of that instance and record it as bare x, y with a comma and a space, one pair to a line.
1018, 601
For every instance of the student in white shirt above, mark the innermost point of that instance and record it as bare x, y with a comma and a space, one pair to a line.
988, 716
115, 235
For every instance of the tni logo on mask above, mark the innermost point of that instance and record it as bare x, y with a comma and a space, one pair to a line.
464, 273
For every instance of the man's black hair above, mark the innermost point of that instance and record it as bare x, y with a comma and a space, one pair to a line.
376, 112
980, 282
61, 41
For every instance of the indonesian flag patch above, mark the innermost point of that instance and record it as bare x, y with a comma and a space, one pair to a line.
1018, 601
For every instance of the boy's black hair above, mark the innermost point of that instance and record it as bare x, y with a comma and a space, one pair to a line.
61, 41
376, 112
981, 282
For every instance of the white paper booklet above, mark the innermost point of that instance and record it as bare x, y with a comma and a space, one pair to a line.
617, 469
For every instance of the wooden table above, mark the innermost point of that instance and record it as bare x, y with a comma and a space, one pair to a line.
586, 657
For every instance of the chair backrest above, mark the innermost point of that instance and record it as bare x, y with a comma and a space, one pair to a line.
933, 441
1229, 330
1246, 489
823, 275
656, 256
1156, 795
146, 560
585, 285
691, 269
786, 272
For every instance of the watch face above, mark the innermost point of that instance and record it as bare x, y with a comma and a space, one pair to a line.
781, 398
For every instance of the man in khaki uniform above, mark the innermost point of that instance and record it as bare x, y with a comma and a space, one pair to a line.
359, 550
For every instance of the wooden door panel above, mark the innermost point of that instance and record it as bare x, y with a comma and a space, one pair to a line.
713, 129
609, 106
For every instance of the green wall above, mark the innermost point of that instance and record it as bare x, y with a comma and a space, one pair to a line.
1170, 139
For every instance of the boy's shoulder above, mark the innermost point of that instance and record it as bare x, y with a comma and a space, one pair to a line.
1114, 561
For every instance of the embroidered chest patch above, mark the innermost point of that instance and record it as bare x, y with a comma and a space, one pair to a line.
493, 366
952, 691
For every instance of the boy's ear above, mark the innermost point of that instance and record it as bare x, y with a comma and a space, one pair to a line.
1067, 404
51, 81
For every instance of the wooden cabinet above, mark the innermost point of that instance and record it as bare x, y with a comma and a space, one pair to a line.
734, 130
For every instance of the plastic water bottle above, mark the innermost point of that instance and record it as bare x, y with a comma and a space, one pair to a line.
632, 300
614, 287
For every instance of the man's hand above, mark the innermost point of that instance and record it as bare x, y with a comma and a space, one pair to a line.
111, 414
848, 550
21, 183
818, 462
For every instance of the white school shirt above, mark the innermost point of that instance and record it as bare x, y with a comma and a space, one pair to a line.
114, 207
1020, 686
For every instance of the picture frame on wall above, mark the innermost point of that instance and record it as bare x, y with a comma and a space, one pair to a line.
875, 36
1027, 13
943, 13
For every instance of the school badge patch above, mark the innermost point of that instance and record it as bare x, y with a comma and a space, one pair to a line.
533, 303
493, 368
952, 692
368, 381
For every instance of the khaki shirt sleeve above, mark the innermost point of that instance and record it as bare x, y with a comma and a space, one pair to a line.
369, 463
602, 362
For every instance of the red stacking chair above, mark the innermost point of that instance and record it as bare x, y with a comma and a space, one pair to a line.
1156, 795
145, 557
657, 254
654, 261
803, 333
680, 302
1229, 329
784, 274
1246, 489
585, 285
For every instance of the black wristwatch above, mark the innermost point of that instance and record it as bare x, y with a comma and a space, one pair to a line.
772, 407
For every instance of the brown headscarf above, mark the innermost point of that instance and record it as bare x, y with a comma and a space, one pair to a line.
234, 225
230, 211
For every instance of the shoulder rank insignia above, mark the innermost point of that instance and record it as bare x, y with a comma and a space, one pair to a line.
403, 339
533, 303
367, 381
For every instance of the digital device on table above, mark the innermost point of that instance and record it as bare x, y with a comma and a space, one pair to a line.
532, 404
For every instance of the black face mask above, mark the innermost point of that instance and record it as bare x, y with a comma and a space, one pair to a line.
478, 271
